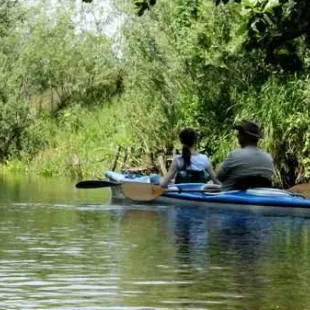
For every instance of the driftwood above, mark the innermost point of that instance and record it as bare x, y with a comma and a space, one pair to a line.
75, 166
114, 166
127, 158
151, 165
141, 170
149, 162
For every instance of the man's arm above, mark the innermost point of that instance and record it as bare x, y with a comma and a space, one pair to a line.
225, 168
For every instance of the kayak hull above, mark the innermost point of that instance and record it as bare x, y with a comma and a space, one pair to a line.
255, 199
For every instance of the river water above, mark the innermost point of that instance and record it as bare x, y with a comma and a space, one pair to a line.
63, 248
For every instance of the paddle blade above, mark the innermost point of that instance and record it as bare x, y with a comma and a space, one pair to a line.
141, 191
303, 189
95, 184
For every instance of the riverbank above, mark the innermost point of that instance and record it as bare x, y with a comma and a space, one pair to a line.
70, 105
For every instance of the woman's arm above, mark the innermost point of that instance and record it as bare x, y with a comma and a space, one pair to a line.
213, 175
170, 175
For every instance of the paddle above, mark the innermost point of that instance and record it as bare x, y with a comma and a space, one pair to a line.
149, 192
96, 184
303, 189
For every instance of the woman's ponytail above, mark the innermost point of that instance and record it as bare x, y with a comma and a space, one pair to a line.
188, 138
186, 155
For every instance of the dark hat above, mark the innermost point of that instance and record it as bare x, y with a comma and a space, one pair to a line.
249, 128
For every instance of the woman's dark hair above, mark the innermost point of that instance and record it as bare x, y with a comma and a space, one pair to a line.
188, 138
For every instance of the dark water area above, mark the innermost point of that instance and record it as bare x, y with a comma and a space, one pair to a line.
63, 248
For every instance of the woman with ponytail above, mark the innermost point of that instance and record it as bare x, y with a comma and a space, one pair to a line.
190, 166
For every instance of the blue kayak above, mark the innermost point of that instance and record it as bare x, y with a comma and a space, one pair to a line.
257, 197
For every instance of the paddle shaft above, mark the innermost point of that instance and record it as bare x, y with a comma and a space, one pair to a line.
96, 184
148, 191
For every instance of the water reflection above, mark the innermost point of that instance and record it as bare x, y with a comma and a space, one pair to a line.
190, 235
234, 248
59, 252
34, 189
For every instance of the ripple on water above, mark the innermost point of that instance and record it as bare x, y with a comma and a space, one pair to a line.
76, 256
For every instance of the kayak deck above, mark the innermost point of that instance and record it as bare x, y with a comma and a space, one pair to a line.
264, 197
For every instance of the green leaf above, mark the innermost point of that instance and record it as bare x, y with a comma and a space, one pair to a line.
250, 3
271, 4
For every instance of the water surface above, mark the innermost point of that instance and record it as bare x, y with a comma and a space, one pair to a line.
63, 248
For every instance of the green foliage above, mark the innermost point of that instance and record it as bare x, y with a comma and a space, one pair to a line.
15, 117
70, 67
193, 65
7, 15
70, 97
270, 25
182, 74
14, 120
48, 65
274, 27
91, 135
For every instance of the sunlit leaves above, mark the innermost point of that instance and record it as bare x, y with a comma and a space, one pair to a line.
270, 5
273, 24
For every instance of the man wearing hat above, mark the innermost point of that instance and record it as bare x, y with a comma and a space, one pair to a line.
249, 166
